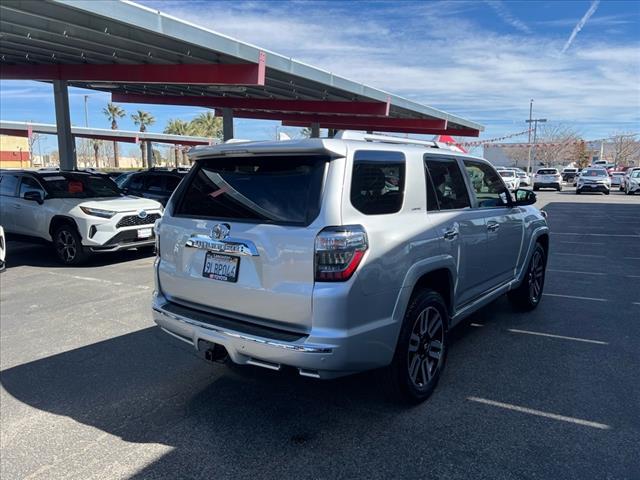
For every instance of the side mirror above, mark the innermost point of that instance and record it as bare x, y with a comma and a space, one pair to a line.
524, 197
34, 196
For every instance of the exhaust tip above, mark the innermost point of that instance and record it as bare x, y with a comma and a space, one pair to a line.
308, 373
216, 353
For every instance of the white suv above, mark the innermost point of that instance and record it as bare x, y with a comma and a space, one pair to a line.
334, 256
80, 212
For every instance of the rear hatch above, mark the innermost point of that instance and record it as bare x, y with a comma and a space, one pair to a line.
238, 238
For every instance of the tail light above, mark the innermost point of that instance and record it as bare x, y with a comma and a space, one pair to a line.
338, 252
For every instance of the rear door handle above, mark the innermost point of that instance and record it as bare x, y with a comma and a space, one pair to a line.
493, 226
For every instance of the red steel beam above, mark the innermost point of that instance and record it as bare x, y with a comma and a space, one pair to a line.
292, 106
200, 74
460, 132
124, 139
341, 121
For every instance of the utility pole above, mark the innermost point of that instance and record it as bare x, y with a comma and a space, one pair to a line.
535, 122
86, 111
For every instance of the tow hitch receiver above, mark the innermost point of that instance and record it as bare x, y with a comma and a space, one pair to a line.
212, 351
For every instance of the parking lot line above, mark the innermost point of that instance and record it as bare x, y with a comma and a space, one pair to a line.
550, 335
574, 271
540, 413
574, 297
580, 255
476, 325
99, 280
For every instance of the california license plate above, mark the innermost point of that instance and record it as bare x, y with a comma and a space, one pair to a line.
145, 232
221, 267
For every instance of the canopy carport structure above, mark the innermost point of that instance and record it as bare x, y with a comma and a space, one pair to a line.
143, 56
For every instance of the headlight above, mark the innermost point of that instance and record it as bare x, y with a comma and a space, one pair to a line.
96, 212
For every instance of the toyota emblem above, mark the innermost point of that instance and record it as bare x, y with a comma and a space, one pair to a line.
220, 231
142, 214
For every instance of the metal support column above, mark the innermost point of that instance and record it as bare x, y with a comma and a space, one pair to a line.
66, 142
150, 159
227, 124
315, 130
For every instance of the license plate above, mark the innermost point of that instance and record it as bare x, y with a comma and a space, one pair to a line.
221, 267
145, 232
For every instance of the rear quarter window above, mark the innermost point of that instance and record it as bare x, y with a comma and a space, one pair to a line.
377, 182
258, 189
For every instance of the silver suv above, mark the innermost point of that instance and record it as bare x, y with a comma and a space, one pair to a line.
335, 256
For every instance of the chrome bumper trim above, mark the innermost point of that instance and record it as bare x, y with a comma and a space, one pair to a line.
263, 341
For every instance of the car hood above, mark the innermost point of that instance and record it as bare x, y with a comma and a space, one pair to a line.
122, 204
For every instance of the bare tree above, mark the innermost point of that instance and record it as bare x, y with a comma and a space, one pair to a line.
555, 145
580, 155
626, 149
33, 140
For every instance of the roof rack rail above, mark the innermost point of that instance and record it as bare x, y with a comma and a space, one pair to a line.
374, 137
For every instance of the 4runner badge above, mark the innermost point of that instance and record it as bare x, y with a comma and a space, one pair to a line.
220, 231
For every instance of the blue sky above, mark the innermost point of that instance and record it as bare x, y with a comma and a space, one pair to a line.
482, 60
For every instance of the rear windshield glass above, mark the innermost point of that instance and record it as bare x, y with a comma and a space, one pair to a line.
548, 171
78, 185
266, 189
506, 173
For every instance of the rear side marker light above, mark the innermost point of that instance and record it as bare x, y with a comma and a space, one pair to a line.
338, 252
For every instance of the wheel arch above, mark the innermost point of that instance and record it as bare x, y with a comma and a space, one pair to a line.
59, 220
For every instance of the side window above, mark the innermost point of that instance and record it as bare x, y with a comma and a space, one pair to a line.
448, 183
487, 185
29, 184
377, 183
136, 182
155, 183
8, 184
172, 183
432, 199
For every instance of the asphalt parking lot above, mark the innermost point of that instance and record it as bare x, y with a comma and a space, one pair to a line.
91, 389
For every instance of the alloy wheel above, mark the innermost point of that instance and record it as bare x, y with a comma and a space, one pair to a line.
536, 276
426, 347
66, 246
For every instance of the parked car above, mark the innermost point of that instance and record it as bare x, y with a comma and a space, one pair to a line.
616, 179
569, 174
524, 178
155, 184
625, 179
510, 179
547, 178
335, 256
632, 184
594, 180
79, 212
3, 249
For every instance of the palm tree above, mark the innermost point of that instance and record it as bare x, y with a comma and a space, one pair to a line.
207, 124
113, 112
143, 119
178, 127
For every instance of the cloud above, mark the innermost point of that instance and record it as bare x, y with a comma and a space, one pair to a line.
503, 12
581, 24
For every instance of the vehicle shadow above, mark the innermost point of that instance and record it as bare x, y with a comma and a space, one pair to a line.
20, 253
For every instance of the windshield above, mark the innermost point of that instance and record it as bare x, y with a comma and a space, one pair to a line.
507, 173
595, 173
273, 189
635, 174
78, 185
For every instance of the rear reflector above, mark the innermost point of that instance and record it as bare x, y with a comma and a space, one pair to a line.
339, 251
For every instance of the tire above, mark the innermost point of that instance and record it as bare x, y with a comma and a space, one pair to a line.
411, 378
559, 189
528, 294
578, 192
535, 189
607, 192
68, 246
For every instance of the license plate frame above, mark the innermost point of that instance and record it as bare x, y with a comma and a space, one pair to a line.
144, 233
213, 259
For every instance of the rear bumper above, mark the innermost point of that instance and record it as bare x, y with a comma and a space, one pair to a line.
547, 185
323, 354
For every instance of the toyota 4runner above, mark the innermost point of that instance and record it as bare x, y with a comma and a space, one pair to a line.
335, 256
